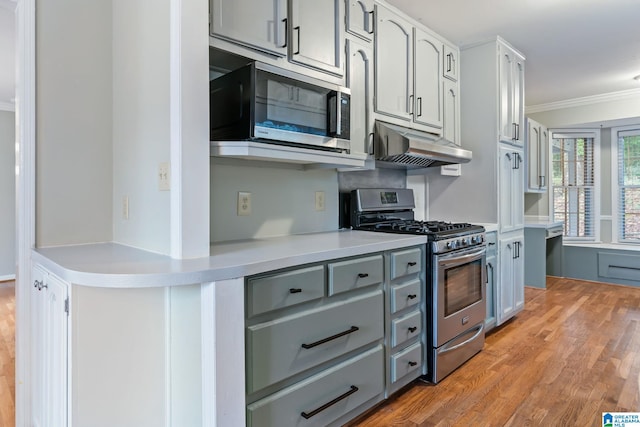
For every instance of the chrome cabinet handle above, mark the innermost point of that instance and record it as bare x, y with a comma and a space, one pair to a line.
286, 31
363, 275
295, 290
297, 29
371, 22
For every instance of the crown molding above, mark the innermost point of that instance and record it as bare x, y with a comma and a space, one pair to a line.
7, 106
583, 101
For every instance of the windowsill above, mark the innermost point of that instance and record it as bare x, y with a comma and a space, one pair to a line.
602, 245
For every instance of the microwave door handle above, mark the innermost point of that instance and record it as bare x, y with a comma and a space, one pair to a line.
338, 113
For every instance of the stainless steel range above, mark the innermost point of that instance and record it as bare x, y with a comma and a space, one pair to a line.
456, 276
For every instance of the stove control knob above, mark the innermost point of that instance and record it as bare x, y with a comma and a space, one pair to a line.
475, 240
452, 244
464, 242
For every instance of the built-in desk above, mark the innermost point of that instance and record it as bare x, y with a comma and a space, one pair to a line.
543, 252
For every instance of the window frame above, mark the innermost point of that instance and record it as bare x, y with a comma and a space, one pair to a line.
615, 189
577, 133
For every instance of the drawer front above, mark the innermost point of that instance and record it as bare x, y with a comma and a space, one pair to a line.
285, 289
406, 295
281, 348
406, 262
355, 273
353, 382
406, 362
405, 328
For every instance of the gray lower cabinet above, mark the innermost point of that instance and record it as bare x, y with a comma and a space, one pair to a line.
405, 307
314, 340
492, 271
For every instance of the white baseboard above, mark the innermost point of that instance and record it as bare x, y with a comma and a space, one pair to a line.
7, 277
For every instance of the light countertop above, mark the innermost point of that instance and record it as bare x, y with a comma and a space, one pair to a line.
542, 224
119, 266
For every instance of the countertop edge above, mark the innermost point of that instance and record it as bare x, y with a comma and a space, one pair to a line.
113, 265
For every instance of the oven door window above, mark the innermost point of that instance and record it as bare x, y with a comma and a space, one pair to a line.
462, 286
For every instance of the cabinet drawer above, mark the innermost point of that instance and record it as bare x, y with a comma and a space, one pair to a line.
284, 289
405, 328
406, 295
406, 262
407, 361
283, 347
355, 273
355, 381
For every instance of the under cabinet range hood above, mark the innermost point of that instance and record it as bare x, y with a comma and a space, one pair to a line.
400, 147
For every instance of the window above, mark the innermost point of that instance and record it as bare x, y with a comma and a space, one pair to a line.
628, 184
573, 155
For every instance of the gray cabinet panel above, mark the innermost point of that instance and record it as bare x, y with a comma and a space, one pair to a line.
360, 20
406, 295
406, 327
285, 408
284, 289
407, 361
355, 273
275, 349
406, 262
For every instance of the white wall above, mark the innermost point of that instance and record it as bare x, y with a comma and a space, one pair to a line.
73, 128
283, 200
7, 195
141, 122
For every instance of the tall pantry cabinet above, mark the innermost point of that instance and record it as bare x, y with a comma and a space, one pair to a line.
492, 188
492, 76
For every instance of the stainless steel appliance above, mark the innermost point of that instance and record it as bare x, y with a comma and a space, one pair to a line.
456, 275
267, 104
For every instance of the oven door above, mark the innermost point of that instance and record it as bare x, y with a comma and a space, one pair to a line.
459, 293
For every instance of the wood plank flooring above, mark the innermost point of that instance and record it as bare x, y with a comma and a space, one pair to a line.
573, 353
7, 355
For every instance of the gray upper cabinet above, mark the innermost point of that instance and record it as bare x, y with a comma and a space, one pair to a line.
450, 62
511, 101
408, 71
307, 32
360, 18
428, 101
537, 152
451, 111
360, 81
394, 64
259, 25
316, 34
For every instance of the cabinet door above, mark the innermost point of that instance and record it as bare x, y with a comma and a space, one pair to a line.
490, 320
517, 86
427, 100
394, 59
360, 19
543, 157
451, 110
360, 81
506, 162
316, 34
517, 194
450, 62
505, 80
533, 156
505, 287
518, 275
261, 25
49, 350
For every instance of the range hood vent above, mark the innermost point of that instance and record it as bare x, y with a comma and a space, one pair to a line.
400, 147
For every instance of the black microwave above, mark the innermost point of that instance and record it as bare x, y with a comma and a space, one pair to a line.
264, 103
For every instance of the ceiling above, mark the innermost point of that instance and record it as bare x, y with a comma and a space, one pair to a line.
573, 48
7, 52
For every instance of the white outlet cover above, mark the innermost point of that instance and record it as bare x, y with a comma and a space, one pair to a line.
244, 203
164, 177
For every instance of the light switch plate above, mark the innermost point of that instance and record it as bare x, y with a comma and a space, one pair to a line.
164, 177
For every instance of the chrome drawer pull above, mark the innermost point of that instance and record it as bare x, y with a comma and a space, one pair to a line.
341, 334
412, 263
412, 329
352, 390
412, 296
295, 290
362, 275
413, 363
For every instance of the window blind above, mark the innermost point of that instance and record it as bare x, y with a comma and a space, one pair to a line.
573, 184
629, 186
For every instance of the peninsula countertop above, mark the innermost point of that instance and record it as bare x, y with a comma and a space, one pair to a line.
114, 265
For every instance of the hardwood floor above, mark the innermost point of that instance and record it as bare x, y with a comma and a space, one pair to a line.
7, 355
573, 353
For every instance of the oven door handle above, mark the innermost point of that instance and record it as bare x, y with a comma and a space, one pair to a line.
461, 258
479, 329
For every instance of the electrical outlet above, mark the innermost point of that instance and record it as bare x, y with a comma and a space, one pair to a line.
164, 177
125, 207
320, 201
244, 203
